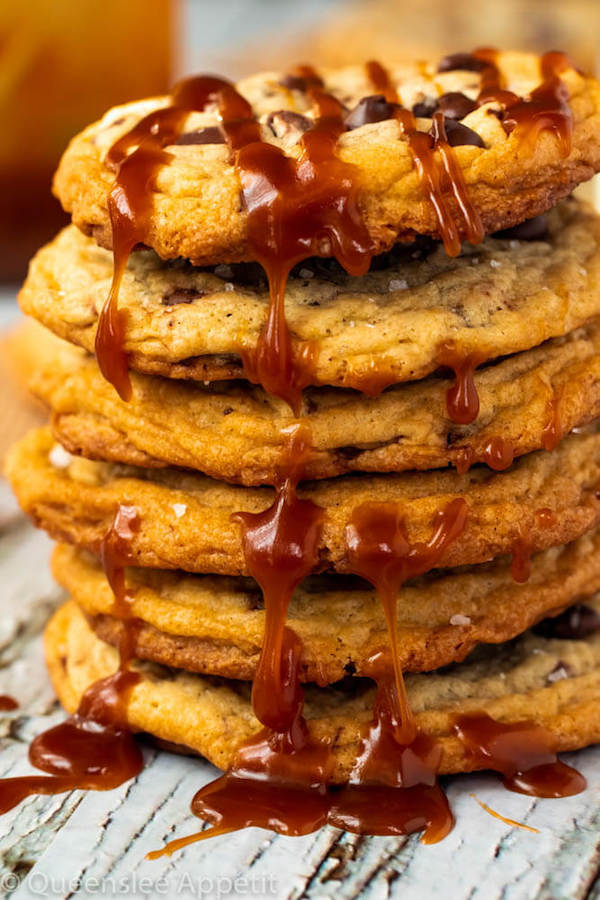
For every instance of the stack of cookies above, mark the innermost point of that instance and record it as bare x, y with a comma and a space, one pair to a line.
322, 357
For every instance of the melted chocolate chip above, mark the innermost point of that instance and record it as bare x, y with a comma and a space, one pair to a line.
300, 82
455, 105
456, 134
286, 122
212, 134
181, 295
576, 623
370, 110
535, 229
464, 62
425, 109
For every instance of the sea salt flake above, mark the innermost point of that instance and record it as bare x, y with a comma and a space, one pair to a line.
459, 619
398, 284
306, 273
223, 271
59, 457
179, 509
557, 674
229, 286
495, 263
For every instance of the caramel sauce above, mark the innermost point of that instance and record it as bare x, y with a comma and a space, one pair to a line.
522, 752
393, 788
281, 547
7, 703
436, 165
462, 399
520, 567
547, 108
498, 453
546, 517
553, 429
93, 749
136, 159
496, 815
296, 209
379, 77
380, 551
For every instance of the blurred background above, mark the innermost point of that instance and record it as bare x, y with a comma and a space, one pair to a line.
63, 62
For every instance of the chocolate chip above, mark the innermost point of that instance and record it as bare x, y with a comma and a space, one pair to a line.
181, 295
212, 134
370, 110
425, 109
286, 122
465, 62
455, 133
228, 410
350, 668
455, 105
576, 623
535, 229
300, 82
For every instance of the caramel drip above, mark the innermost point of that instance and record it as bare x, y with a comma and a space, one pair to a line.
299, 208
393, 788
546, 517
380, 551
439, 173
280, 777
281, 547
436, 165
496, 815
547, 108
522, 752
520, 567
553, 429
92, 749
462, 399
380, 79
498, 453
136, 159
7, 703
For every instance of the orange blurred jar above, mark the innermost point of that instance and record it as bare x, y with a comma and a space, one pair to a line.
62, 64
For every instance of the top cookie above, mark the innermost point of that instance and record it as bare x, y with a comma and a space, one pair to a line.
512, 133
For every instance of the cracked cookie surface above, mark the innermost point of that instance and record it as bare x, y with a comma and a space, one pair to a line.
392, 325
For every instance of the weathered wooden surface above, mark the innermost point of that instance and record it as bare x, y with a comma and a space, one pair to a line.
96, 843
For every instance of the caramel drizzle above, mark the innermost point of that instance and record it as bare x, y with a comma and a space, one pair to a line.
547, 108
295, 208
498, 453
436, 166
93, 749
380, 551
462, 399
522, 752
